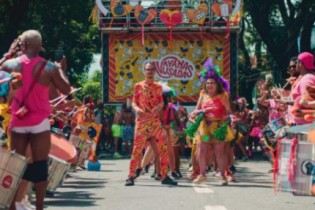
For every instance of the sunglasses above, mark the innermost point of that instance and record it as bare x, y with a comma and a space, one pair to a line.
292, 66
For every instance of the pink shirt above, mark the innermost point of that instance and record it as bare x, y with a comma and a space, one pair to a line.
299, 90
37, 101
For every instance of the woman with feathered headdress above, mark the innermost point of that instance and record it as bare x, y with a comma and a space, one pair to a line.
211, 129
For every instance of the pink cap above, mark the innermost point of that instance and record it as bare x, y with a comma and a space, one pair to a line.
307, 59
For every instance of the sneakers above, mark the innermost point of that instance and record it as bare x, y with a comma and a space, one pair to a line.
200, 179
146, 169
117, 155
21, 206
223, 181
168, 181
26, 203
193, 176
179, 174
233, 169
130, 182
244, 158
138, 172
158, 177
175, 175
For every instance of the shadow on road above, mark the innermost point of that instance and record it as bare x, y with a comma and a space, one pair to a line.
77, 192
72, 198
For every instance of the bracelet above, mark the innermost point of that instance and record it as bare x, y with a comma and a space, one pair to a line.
7, 55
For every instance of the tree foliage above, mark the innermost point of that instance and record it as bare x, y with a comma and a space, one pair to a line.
92, 87
270, 31
64, 25
280, 24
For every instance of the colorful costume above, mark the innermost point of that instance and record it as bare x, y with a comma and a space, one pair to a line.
213, 118
147, 97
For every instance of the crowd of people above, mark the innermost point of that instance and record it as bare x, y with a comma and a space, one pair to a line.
37, 99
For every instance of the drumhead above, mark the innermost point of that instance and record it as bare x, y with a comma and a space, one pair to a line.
62, 149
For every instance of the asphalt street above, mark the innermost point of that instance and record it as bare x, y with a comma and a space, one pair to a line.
105, 189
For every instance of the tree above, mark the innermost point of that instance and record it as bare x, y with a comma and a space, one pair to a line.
280, 23
64, 26
92, 87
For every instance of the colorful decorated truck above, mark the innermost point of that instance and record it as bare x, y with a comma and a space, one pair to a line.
177, 35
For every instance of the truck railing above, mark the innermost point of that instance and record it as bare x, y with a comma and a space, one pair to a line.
111, 23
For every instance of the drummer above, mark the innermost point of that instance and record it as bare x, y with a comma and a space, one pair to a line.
305, 66
31, 124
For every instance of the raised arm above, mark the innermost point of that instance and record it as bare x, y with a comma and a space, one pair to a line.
59, 79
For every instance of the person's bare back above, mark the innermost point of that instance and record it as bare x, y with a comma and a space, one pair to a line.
128, 118
117, 118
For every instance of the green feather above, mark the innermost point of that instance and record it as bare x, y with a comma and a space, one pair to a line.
220, 132
192, 129
217, 71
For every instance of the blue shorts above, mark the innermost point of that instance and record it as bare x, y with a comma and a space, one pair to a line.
127, 132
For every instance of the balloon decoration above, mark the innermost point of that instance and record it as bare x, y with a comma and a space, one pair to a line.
215, 8
220, 10
171, 19
198, 15
143, 17
118, 9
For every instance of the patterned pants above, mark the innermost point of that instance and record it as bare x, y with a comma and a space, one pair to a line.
146, 129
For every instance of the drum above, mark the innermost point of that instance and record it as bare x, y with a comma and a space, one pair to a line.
3, 138
57, 171
62, 148
83, 148
300, 131
12, 167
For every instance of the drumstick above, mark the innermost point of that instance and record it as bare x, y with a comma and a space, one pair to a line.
62, 106
285, 85
9, 79
62, 97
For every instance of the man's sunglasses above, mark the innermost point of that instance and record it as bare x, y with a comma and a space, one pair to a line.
292, 66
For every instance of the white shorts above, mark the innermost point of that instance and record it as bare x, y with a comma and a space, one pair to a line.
41, 127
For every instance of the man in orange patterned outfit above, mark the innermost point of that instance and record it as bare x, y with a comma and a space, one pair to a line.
147, 103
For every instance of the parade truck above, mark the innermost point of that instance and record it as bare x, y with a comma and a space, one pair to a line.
178, 36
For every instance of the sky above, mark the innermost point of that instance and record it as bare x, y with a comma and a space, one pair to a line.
96, 64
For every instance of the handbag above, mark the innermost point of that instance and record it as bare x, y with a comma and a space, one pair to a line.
23, 110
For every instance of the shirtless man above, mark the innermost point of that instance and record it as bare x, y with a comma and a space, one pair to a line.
117, 131
128, 119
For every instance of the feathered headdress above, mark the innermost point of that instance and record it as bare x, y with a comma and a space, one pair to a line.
167, 90
211, 71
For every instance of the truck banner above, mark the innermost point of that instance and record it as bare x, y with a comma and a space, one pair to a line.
177, 65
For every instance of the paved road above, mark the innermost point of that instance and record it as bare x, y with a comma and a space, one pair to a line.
106, 190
